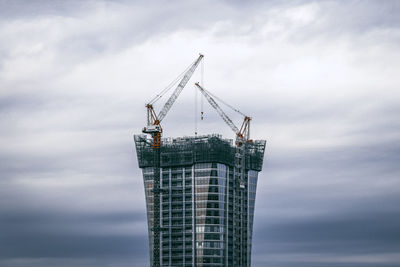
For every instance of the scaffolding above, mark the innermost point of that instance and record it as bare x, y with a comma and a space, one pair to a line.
200, 149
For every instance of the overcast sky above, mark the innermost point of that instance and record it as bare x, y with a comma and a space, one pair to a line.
320, 79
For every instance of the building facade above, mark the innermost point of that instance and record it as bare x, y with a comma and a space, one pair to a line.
204, 216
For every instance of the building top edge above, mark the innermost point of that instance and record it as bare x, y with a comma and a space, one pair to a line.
183, 140
198, 149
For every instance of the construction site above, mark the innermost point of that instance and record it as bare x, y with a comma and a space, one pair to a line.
200, 190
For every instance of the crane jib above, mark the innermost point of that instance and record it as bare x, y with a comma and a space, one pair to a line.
215, 105
179, 89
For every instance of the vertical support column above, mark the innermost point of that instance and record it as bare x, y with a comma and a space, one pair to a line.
183, 216
237, 208
245, 210
170, 216
194, 216
156, 194
248, 245
234, 217
240, 207
193, 219
227, 216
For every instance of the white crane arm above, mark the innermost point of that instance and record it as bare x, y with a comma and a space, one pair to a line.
218, 109
179, 89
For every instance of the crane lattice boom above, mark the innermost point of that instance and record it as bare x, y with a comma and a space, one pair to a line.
218, 108
153, 121
244, 132
179, 89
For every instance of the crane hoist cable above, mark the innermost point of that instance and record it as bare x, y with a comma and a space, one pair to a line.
195, 110
201, 97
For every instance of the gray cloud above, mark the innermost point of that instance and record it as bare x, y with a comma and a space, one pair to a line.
319, 78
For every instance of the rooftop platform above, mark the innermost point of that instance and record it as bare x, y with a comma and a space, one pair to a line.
183, 151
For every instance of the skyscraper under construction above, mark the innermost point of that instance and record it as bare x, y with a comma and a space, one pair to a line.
200, 191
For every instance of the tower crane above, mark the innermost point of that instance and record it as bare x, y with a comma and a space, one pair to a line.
154, 128
242, 139
153, 121
242, 134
